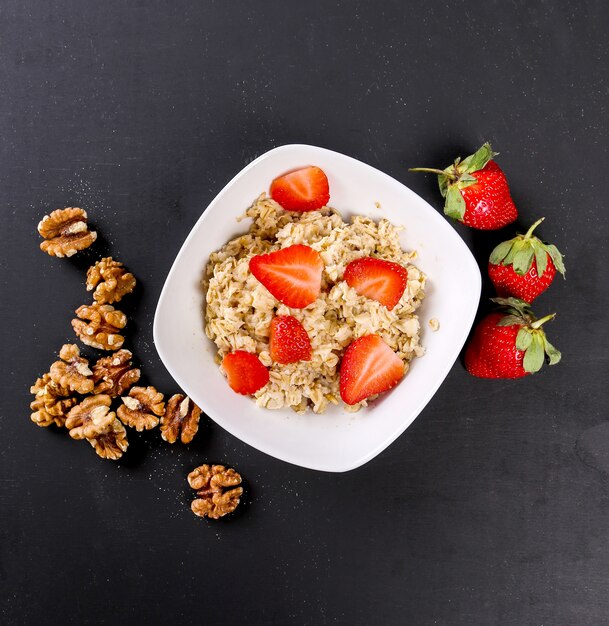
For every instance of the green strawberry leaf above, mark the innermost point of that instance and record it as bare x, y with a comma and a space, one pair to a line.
500, 252
523, 339
518, 305
510, 320
517, 246
541, 260
534, 355
455, 204
553, 354
443, 184
478, 160
465, 180
557, 258
523, 259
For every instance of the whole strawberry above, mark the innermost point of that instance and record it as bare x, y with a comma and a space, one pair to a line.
509, 343
476, 191
524, 267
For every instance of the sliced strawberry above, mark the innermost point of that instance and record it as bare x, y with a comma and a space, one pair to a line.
379, 280
369, 366
289, 340
292, 275
245, 372
306, 189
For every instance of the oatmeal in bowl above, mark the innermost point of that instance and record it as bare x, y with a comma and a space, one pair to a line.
307, 309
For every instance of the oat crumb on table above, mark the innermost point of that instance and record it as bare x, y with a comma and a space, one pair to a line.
239, 309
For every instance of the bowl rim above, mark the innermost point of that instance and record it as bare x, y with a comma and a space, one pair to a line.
438, 380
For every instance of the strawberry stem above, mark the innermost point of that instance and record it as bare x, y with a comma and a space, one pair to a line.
538, 323
431, 170
535, 225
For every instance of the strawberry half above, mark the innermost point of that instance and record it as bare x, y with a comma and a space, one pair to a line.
245, 372
379, 280
476, 191
292, 274
289, 340
524, 267
306, 189
369, 366
509, 344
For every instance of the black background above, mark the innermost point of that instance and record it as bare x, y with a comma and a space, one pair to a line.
493, 507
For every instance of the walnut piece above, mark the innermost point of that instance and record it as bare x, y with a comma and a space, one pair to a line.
112, 443
90, 418
65, 232
142, 408
110, 280
72, 372
98, 326
217, 493
114, 374
51, 403
181, 419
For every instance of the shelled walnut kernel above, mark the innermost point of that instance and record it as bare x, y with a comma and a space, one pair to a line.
51, 403
73, 371
217, 491
98, 325
114, 374
110, 280
91, 417
112, 442
181, 419
142, 408
65, 232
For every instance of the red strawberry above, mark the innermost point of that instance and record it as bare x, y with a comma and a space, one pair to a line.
292, 274
245, 372
369, 366
476, 191
289, 340
509, 344
379, 280
306, 189
524, 267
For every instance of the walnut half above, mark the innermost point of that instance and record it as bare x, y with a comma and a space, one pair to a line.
72, 372
98, 325
181, 419
65, 232
142, 408
114, 374
217, 491
51, 403
90, 418
112, 442
110, 280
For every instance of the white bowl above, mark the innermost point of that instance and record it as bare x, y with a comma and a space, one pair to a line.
336, 441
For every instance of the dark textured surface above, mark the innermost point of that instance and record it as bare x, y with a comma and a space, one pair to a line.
493, 507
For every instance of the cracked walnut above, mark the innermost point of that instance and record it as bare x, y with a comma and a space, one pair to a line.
65, 232
181, 419
114, 374
98, 325
51, 403
72, 371
217, 490
90, 418
112, 442
110, 281
142, 408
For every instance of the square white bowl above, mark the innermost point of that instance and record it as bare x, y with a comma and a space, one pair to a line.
336, 441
